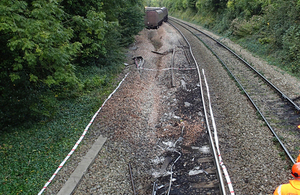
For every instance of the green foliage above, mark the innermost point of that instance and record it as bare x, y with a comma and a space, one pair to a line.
243, 28
35, 56
191, 4
104, 27
291, 48
95, 82
81, 7
57, 60
91, 31
43, 42
90, 27
29, 156
281, 15
263, 26
246, 8
153, 3
130, 23
210, 6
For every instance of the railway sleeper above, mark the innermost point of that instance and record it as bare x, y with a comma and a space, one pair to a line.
211, 184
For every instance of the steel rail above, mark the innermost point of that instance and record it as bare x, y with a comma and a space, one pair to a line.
223, 191
131, 179
251, 67
243, 89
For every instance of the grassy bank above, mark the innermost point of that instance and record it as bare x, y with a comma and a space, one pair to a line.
29, 154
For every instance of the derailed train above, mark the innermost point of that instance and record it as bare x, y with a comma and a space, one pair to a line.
155, 16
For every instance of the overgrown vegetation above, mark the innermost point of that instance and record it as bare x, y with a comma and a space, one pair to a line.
42, 43
29, 155
269, 28
58, 60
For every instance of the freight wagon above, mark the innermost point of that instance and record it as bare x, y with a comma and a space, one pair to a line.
155, 16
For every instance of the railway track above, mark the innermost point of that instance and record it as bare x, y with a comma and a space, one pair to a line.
192, 172
280, 113
166, 145
160, 128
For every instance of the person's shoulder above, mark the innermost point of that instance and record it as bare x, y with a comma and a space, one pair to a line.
278, 190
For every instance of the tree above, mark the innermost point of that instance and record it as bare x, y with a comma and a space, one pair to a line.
43, 41
192, 4
35, 56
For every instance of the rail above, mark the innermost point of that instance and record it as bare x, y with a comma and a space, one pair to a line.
206, 117
240, 85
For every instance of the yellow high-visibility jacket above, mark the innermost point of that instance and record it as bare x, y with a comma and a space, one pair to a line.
292, 188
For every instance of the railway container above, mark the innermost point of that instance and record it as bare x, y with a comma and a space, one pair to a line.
154, 16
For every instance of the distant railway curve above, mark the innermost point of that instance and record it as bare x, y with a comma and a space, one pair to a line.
280, 113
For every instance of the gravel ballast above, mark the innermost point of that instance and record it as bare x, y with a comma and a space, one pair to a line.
146, 113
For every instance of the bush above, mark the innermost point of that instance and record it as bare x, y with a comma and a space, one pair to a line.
281, 15
291, 48
91, 31
243, 28
42, 44
131, 23
35, 56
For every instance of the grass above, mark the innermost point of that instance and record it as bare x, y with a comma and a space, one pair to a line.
30, 154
